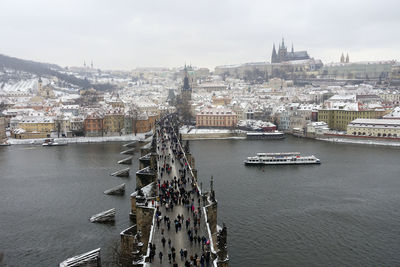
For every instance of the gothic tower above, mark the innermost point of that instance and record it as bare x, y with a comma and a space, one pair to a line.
347, 58
282, 52
342, 58
186, 96
274, 56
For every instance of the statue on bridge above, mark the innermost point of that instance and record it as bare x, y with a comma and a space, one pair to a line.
187, 147
212, 193
222, 244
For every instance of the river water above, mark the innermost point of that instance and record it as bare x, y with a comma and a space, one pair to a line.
343, 212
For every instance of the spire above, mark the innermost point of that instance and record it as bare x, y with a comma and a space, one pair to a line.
292, 49
283, 43
186, 85
91, 64
342, 58
347, 58
273, 56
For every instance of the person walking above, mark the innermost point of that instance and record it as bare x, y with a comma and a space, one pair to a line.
173, 255
160, 255
185, 253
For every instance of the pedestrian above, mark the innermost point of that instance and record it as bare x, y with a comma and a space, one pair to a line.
163, 241
202, 260
185, 253
169, 257
181, 253
169, 242
160, 255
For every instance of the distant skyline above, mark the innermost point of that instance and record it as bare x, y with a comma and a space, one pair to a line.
128, 34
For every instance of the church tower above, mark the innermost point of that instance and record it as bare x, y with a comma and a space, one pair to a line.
282, 52
342, 58
274, 56
40, 86
186, 96
347, 58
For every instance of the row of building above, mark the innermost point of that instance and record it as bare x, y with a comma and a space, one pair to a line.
93, 123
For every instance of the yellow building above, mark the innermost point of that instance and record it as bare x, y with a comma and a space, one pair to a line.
338, 119
113, 123
374, 128
44, 125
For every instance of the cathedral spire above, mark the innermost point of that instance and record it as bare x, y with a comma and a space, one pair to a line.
283, 43
273, 56
292, 49
186, 85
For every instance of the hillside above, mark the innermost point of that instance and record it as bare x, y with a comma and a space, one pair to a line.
45, 70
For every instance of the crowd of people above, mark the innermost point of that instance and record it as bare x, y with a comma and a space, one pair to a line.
178, 188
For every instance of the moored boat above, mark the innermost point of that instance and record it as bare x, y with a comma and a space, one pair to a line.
265, 135
51, 142
285, 158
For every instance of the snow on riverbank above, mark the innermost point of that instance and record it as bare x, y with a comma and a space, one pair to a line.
364, 141
194, 130
122, 138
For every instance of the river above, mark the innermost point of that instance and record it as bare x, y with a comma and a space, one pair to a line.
342, 212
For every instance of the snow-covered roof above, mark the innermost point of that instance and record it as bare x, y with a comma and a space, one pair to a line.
380, 122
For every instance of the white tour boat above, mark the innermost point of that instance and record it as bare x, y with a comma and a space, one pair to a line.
51, 142
284, 158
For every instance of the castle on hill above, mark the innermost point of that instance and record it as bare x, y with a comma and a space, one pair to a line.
283, 55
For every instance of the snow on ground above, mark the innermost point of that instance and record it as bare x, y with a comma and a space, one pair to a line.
21, 86
364, 142
73, 140
193, 130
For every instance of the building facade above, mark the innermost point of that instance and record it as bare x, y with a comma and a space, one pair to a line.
37, 124
113, 123
338, 119
2, 129
93, 125
216, 117
374, 128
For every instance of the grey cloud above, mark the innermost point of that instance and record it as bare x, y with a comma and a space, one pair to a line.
126, 34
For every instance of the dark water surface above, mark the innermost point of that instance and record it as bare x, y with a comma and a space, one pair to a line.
48, 194
344, 212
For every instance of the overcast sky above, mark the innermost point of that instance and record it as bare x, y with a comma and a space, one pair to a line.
119, 34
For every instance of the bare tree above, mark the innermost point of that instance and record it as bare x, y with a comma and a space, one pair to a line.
134, 114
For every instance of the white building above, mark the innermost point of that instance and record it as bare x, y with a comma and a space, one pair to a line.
374, 127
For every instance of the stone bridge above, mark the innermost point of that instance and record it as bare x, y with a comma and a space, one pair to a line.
174, 222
